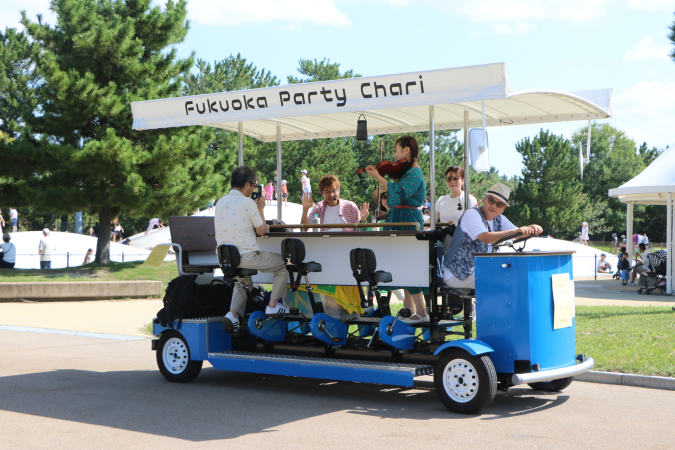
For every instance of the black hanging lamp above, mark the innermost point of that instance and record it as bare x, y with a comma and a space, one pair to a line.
362, 129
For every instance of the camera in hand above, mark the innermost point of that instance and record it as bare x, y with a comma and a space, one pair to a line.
257, 193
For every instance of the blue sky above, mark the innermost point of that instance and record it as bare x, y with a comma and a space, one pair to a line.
564, 45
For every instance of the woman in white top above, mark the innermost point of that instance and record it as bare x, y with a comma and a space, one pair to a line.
450, 208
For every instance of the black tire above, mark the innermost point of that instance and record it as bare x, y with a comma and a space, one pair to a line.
173, 358
553, 385
479, 373
640, 291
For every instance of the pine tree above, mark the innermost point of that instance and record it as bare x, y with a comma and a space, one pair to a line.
550, 193
82, 153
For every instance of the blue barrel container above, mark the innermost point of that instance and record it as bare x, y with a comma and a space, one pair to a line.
514, 310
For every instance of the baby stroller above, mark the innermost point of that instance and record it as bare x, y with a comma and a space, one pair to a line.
657, 262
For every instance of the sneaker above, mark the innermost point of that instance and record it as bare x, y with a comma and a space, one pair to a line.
415, 319
279, 309
631, 284
234, 320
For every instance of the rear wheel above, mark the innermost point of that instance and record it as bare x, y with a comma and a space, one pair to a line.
173, 358
465, 383
553, 385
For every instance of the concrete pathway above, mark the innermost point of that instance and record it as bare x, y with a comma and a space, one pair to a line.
70, 392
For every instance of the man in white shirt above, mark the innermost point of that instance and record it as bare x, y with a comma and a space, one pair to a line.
641, 263
237, 220
45, 248
478, 229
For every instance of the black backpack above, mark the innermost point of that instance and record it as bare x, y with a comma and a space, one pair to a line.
179, 300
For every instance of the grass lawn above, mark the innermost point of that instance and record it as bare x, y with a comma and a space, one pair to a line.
638, 340
94, 272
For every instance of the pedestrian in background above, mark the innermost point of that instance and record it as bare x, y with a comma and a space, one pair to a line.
614, 245
284, 192
269, 190
8, 255
87, 257
584, 233
306, 184
45, 248
2, 222
14, 217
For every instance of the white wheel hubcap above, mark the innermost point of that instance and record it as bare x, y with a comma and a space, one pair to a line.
175, 355
460, 380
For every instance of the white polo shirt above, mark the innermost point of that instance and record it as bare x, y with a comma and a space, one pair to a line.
236, 216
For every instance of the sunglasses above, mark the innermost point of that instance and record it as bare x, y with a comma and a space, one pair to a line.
492, 201
453, 178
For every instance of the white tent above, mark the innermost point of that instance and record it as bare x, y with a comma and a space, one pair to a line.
441, 99
653, 186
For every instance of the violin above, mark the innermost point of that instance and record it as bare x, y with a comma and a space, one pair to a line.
387, 167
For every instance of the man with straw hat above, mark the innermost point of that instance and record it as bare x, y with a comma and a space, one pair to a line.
477, 230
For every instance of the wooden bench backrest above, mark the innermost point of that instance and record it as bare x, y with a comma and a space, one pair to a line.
193, 233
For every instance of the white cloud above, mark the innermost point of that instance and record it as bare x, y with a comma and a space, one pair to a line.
648, 110
280, 12
522, 10
652, 5
646, 49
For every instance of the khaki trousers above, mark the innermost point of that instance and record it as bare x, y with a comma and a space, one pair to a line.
265, 262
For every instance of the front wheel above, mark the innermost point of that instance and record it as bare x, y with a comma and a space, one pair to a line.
173, 358
464, 383
553, 385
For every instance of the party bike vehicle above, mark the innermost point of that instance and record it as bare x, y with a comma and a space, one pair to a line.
341, 324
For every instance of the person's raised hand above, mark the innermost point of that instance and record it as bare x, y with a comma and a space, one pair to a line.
307, 201
364, 211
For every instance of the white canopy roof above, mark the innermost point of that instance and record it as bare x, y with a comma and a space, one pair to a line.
650, 187
391, 104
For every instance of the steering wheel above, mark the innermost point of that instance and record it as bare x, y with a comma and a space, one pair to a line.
508, 242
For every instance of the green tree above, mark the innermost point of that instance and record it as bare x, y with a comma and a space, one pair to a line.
230, 74
18, 81
549, 193
614, 160
82, 153
322, 70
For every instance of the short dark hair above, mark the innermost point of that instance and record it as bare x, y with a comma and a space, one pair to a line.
327, 181
242, 175
642, 247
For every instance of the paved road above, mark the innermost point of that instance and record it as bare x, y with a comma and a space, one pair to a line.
68, 392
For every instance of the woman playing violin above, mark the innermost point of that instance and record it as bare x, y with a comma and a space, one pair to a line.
404, 196
407, 193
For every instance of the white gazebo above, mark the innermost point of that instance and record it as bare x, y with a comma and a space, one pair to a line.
653, 186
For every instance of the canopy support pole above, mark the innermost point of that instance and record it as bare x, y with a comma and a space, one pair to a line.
467, 173
432, 168
485, 149
279, 202
588, 143
240, 151
669, 243
629, 230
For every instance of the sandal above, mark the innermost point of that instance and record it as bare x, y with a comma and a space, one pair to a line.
415, 318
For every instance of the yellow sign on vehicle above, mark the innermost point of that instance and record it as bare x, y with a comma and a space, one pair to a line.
157, 256
563, 301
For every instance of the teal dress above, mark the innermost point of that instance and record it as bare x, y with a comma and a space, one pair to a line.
409, 190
